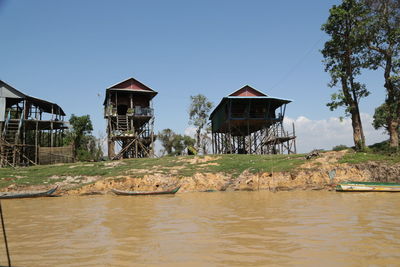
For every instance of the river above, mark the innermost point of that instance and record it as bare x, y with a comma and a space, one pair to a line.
302, 228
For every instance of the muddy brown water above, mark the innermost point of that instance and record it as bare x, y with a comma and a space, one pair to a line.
205, 229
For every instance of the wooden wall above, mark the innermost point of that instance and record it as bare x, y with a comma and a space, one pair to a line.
53, 155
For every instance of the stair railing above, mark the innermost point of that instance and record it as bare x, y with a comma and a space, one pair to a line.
19, 127
6, 123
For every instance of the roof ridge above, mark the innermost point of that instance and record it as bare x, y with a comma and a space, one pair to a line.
248, 86
135, 80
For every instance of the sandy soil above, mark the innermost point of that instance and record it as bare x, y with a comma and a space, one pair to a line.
322, 173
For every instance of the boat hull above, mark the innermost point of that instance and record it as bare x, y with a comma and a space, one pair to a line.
8, 195
144, 193
367, 187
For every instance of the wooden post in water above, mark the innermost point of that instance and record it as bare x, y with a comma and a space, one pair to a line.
5, 236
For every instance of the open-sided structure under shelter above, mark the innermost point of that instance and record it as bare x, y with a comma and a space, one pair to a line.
32, 130
130, 119
251, 122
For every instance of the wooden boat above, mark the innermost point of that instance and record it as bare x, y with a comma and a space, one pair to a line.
139, 193
6, 195
367, 187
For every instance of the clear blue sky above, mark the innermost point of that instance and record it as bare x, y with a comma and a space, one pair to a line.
68, 52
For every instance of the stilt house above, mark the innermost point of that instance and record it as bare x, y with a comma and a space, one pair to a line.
130, 119
250, 122
32, 130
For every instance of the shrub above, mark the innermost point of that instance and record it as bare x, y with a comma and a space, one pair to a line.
384, 148
340, 147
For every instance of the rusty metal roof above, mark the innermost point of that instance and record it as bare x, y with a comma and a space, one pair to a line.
277, 101
131, 85
46, 106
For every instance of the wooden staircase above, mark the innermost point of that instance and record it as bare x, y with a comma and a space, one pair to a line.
7, 154
11, 132
9, 142
122, 123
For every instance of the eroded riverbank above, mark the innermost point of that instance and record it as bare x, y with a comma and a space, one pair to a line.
322, 174
209, 173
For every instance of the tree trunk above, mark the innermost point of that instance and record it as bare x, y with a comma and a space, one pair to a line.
205, 149
393, 115
398, 121
393, 128
360, 129
111, 149
358, 132
198, 139
358, 135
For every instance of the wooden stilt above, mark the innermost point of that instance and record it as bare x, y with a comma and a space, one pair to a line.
5, 236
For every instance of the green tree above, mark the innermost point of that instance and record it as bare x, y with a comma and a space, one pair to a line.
205, 139
166, 138
174, 144
343, 60
90, 150
380, 118
86, 146
383, 30
81, 126
199, 111
181, 143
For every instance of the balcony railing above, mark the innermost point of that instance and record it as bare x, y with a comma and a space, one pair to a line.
135, 112
252, 115
139, 111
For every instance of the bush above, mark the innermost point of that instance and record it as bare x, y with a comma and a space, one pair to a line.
340, 147
384, 148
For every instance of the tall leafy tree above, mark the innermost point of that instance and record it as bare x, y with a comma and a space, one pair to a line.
174, 144
206, 139
343, 60
383, 30
166, 138
86, 146
199, 111
380, 117
181, 143
81, 126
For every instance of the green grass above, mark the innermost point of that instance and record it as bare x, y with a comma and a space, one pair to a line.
232, 165
362, 157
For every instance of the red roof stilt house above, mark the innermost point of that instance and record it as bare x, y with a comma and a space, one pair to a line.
251, 122
130, 119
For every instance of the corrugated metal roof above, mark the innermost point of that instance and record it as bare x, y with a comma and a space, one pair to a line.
259, 97
45, 105
282, 100
143, 89
249, 89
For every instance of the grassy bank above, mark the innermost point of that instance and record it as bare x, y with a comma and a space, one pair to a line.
362, 157
232, 165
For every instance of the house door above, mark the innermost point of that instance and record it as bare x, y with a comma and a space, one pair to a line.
122, 109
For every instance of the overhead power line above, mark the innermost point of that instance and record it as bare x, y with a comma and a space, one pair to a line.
298, 63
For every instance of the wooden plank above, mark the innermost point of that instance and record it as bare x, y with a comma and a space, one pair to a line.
53, 155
